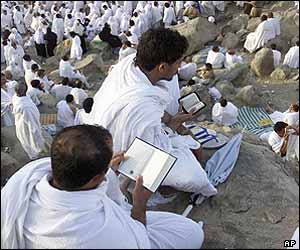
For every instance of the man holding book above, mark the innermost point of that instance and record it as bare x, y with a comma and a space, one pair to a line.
132, 102
75, 202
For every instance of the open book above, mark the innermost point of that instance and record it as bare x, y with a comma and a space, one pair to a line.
191, 102
148, 161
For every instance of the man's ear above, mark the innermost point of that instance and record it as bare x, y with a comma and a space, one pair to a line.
162, 67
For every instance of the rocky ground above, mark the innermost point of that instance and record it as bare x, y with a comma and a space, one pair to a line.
258, 206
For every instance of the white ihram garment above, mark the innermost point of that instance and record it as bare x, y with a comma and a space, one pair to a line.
292, 57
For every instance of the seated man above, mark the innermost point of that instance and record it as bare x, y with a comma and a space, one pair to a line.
291, 116
67, 70
66, 111
126, 50
207, 73
133, 95
78, 93
215, 58
225, 113
191, 12
7, 117
276, 55
187, 71
231, 59
257, 39
83, 115
292, 57
79, 201
61, 90
281, 137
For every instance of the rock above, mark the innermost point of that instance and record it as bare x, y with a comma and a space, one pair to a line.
239, 22
52, 64
63, 48
283, 72
242, 35
54, 76
198, 32
49, 104
226, 88
281, 5
263, 62
243, 213
253, 23
103, 48
235, 74
9, 166
196, 59
230, 41
247, 96
91, 66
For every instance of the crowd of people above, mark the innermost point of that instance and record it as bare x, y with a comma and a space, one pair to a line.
76, 193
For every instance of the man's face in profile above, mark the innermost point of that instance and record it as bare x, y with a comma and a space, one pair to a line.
169, 70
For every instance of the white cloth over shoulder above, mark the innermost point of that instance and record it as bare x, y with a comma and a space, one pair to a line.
65, 116
76, 50
231, 60
225, 115
216, 59
291, 118
127, 97
275, 141
292, 57
277, 57
187, 71
82, 117
28, 127
7, 117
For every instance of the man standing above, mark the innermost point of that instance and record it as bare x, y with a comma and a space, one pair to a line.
134, 95
28, 127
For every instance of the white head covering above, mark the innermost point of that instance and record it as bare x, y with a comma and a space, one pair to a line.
211, 19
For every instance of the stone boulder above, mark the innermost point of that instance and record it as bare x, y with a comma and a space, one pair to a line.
237, 23
235, 74
49, 104
256, 208
103, 48
226, 88
63, 48
283, 72
197, 59
230, 40
54, 76
263, 62
282, 5
253, 23
247, 96
51, 64
9, 166
242, 35
198, 32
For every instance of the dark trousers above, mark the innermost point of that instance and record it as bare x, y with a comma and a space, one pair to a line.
41, 50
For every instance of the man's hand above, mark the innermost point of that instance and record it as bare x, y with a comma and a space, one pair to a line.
177, 120
116, 160
140, 197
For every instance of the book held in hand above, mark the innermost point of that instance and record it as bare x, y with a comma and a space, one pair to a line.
148, 161
191, 102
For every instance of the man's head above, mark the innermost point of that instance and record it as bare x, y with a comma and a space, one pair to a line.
34, 67
279, 128
160, 51
263, 18
297, 43
88, 104
65, 81
208, 66
35, 83
72, 34
69, 98
74, 167
3, 79
27, 58
270, 15
65, 58
223, 102
126, 44
8, 75
294, 107
41, 73
215, 49
231, 51
78, 84
167, 5
21, 89
273, 46
131, 23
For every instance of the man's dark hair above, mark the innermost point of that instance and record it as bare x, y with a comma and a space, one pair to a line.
65, 57
270, 15
216, 49
131, 23
135, 14
155, 3
69, 16
208, 66
72, 34
27, 57
297, 43
35, 83
127, 43
273, 46
279, 126
223, 102
191, 82
160, 46
69, 98
34, 67
263, 18
65, 81
167, 5
72, 165
88, 104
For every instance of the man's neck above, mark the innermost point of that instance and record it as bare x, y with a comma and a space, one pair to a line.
151, 75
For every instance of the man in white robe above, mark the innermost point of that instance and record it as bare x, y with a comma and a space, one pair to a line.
66, 111
275, 22
128, 7
67, 70
7, 117
225, 113
10, 83
126, 50
131, 95
169, 15
187, 71
231, 59
78, 93
291, 116
58, 27
257, 39
61, 90
156, 15
6, 21
76, 50
215, 58
292, 57
31, 75
19, 20
83, 115
27, 119
91, 198
276, 55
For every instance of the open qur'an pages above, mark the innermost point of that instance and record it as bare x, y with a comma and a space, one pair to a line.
148, 161
192, 102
